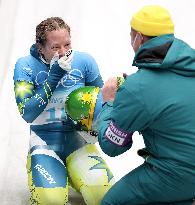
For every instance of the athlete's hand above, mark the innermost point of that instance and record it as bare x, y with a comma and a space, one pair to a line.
63, 62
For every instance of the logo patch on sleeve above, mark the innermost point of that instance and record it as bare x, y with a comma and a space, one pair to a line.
118, 136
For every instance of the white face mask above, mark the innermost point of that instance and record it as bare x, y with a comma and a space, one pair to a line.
134, 41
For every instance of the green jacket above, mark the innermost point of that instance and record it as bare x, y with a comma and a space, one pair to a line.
158, 101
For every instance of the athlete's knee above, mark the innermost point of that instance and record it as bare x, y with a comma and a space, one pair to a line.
47, 178
92, 177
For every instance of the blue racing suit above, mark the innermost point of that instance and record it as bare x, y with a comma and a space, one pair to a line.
40, 92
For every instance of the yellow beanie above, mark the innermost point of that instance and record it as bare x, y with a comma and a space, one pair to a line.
152, 21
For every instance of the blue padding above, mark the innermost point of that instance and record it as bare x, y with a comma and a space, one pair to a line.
48, 172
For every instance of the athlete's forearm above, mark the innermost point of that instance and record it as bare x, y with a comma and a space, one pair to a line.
35, 100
